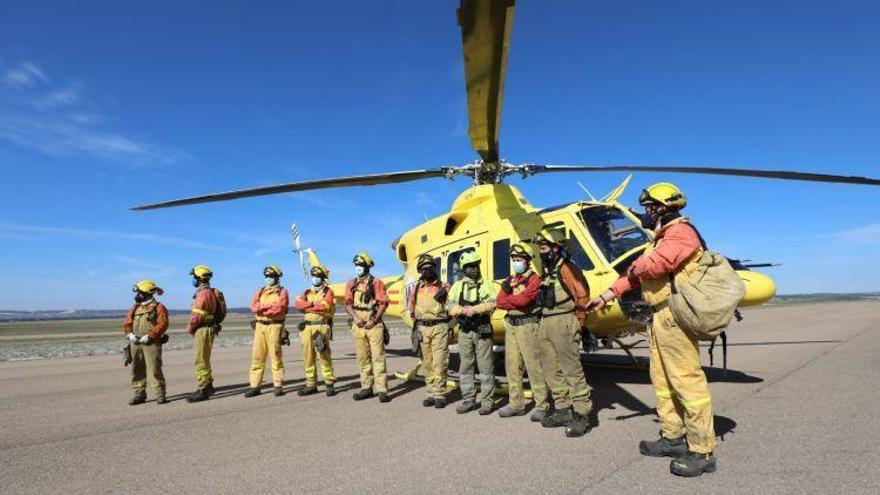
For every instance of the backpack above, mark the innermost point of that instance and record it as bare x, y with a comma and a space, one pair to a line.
220, 312
704, 304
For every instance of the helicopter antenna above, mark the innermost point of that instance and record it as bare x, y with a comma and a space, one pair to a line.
298, 249
592, 198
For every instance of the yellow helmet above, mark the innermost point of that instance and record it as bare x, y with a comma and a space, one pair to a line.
363, 258
272, 271
201, 271
320, 271
522, 249
664, 193
551, 236
469, 258
147, 287
425, 259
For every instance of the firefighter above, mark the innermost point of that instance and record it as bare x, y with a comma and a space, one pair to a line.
269, 306
145, 327
319, 306
684, 405
208, 311
518, 295
563, 299
365, 302
471, 302
427, 308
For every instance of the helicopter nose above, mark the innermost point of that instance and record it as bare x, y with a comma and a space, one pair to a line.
759, 287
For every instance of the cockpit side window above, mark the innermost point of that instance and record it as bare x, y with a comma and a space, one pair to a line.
613, 232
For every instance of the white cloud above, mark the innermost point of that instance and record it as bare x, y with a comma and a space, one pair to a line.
36, 231
24, 75
868, 234
58, 120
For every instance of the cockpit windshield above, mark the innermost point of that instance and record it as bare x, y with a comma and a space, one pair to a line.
614, 233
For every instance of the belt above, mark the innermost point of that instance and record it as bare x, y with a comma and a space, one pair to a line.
521, 320
269, 322
362, 308
431, 323
312, 323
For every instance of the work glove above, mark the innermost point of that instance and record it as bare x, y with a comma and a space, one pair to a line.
144, 339
132, 337
505, 286
441, 295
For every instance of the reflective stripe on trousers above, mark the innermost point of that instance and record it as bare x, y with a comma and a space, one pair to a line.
684, 403
267, 342
435, 358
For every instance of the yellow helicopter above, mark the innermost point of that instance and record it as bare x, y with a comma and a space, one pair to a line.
604, 236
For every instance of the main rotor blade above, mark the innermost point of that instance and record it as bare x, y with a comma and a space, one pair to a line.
739, 172
485, 34
357, 180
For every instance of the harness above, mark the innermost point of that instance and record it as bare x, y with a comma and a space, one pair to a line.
471, 323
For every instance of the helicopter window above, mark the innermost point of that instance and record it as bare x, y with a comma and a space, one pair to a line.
500, 259
578, 256
454, 273
614, 233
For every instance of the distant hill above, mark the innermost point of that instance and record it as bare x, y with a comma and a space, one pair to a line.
90, 314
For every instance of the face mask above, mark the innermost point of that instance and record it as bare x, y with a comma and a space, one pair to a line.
140, 297
271, 281
195, 282
548, 259
360, 270
317, 281
472, 272
520, 267
428, 273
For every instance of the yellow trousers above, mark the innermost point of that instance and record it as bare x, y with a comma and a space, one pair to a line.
311, 354
146, 364
370, 348
203, 342
561, 361
267, 341
684, 404
435, 358
522, 354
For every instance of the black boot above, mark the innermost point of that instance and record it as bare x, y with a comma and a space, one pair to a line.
579, 425
362, 394
198, 396
558, 418
429, 402
137, 399
693, 464
664, 447
278, 391
307, 391
330, 390
160, 399
210, 389
466, 407
252, 392
439, 403
383, 397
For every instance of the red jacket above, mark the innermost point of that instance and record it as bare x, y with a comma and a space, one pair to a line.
159, 327
271, 310
675, 244
525, 300
378, 288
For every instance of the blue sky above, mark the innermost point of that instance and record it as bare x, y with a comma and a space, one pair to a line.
104, 105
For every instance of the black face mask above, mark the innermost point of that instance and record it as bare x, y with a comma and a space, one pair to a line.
649, 220
140, 297
428, 273
472, 272
548, 259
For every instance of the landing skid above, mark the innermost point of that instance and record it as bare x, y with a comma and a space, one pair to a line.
631, 362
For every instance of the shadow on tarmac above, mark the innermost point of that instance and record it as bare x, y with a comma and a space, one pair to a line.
289, 386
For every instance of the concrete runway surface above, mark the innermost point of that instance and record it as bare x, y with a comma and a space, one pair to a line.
796, 413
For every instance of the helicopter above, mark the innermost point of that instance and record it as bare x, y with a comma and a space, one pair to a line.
604, 236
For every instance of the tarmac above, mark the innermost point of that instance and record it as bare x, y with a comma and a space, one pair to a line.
797, 412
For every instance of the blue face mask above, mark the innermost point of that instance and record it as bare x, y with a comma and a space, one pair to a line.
195, 282
520, 267
317, 281
360, 270
271, 281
